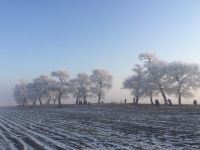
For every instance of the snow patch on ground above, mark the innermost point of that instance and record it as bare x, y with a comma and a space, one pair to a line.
100, 127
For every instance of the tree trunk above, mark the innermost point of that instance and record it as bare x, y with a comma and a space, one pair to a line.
54, 101
151, 98
137, 99
133, 100
25, 102
59, 98
99, 98
84, 100
99, 95
77, 100
157, 82
179, 99
179, 92
34, 103
163, 95
48, 101
40, 100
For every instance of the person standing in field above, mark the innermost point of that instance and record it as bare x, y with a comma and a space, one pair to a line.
195, 102
157, 103
133, 100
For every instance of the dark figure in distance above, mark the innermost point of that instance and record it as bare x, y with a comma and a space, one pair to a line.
85, 102
81, 102
125, 101
195, 102
169, 102
134, 101
157, 103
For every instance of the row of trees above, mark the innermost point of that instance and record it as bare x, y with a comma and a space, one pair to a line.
157, 77
54, 89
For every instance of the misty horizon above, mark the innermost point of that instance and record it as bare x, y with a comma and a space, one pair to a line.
82, 36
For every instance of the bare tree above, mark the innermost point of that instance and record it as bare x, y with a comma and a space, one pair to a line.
102, 81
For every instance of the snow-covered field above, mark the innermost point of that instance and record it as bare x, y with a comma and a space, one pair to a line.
100, 127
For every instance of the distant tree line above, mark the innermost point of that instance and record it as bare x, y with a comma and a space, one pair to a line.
153, 78
157, 77
59, 87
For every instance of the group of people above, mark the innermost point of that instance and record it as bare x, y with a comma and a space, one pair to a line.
157, 103
85, 102
169, 102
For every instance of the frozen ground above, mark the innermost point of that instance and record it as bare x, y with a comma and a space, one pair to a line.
100, 127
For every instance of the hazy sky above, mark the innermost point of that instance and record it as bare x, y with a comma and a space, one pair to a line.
38, 36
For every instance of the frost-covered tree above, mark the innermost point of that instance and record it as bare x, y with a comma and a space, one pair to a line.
183, 79
32, 93
75, 89
41, 85
157, 70
102, 81
61, 86
135, 83
84, 86
149, 88
52, 94
20, 93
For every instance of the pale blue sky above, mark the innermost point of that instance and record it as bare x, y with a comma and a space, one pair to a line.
37, 37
